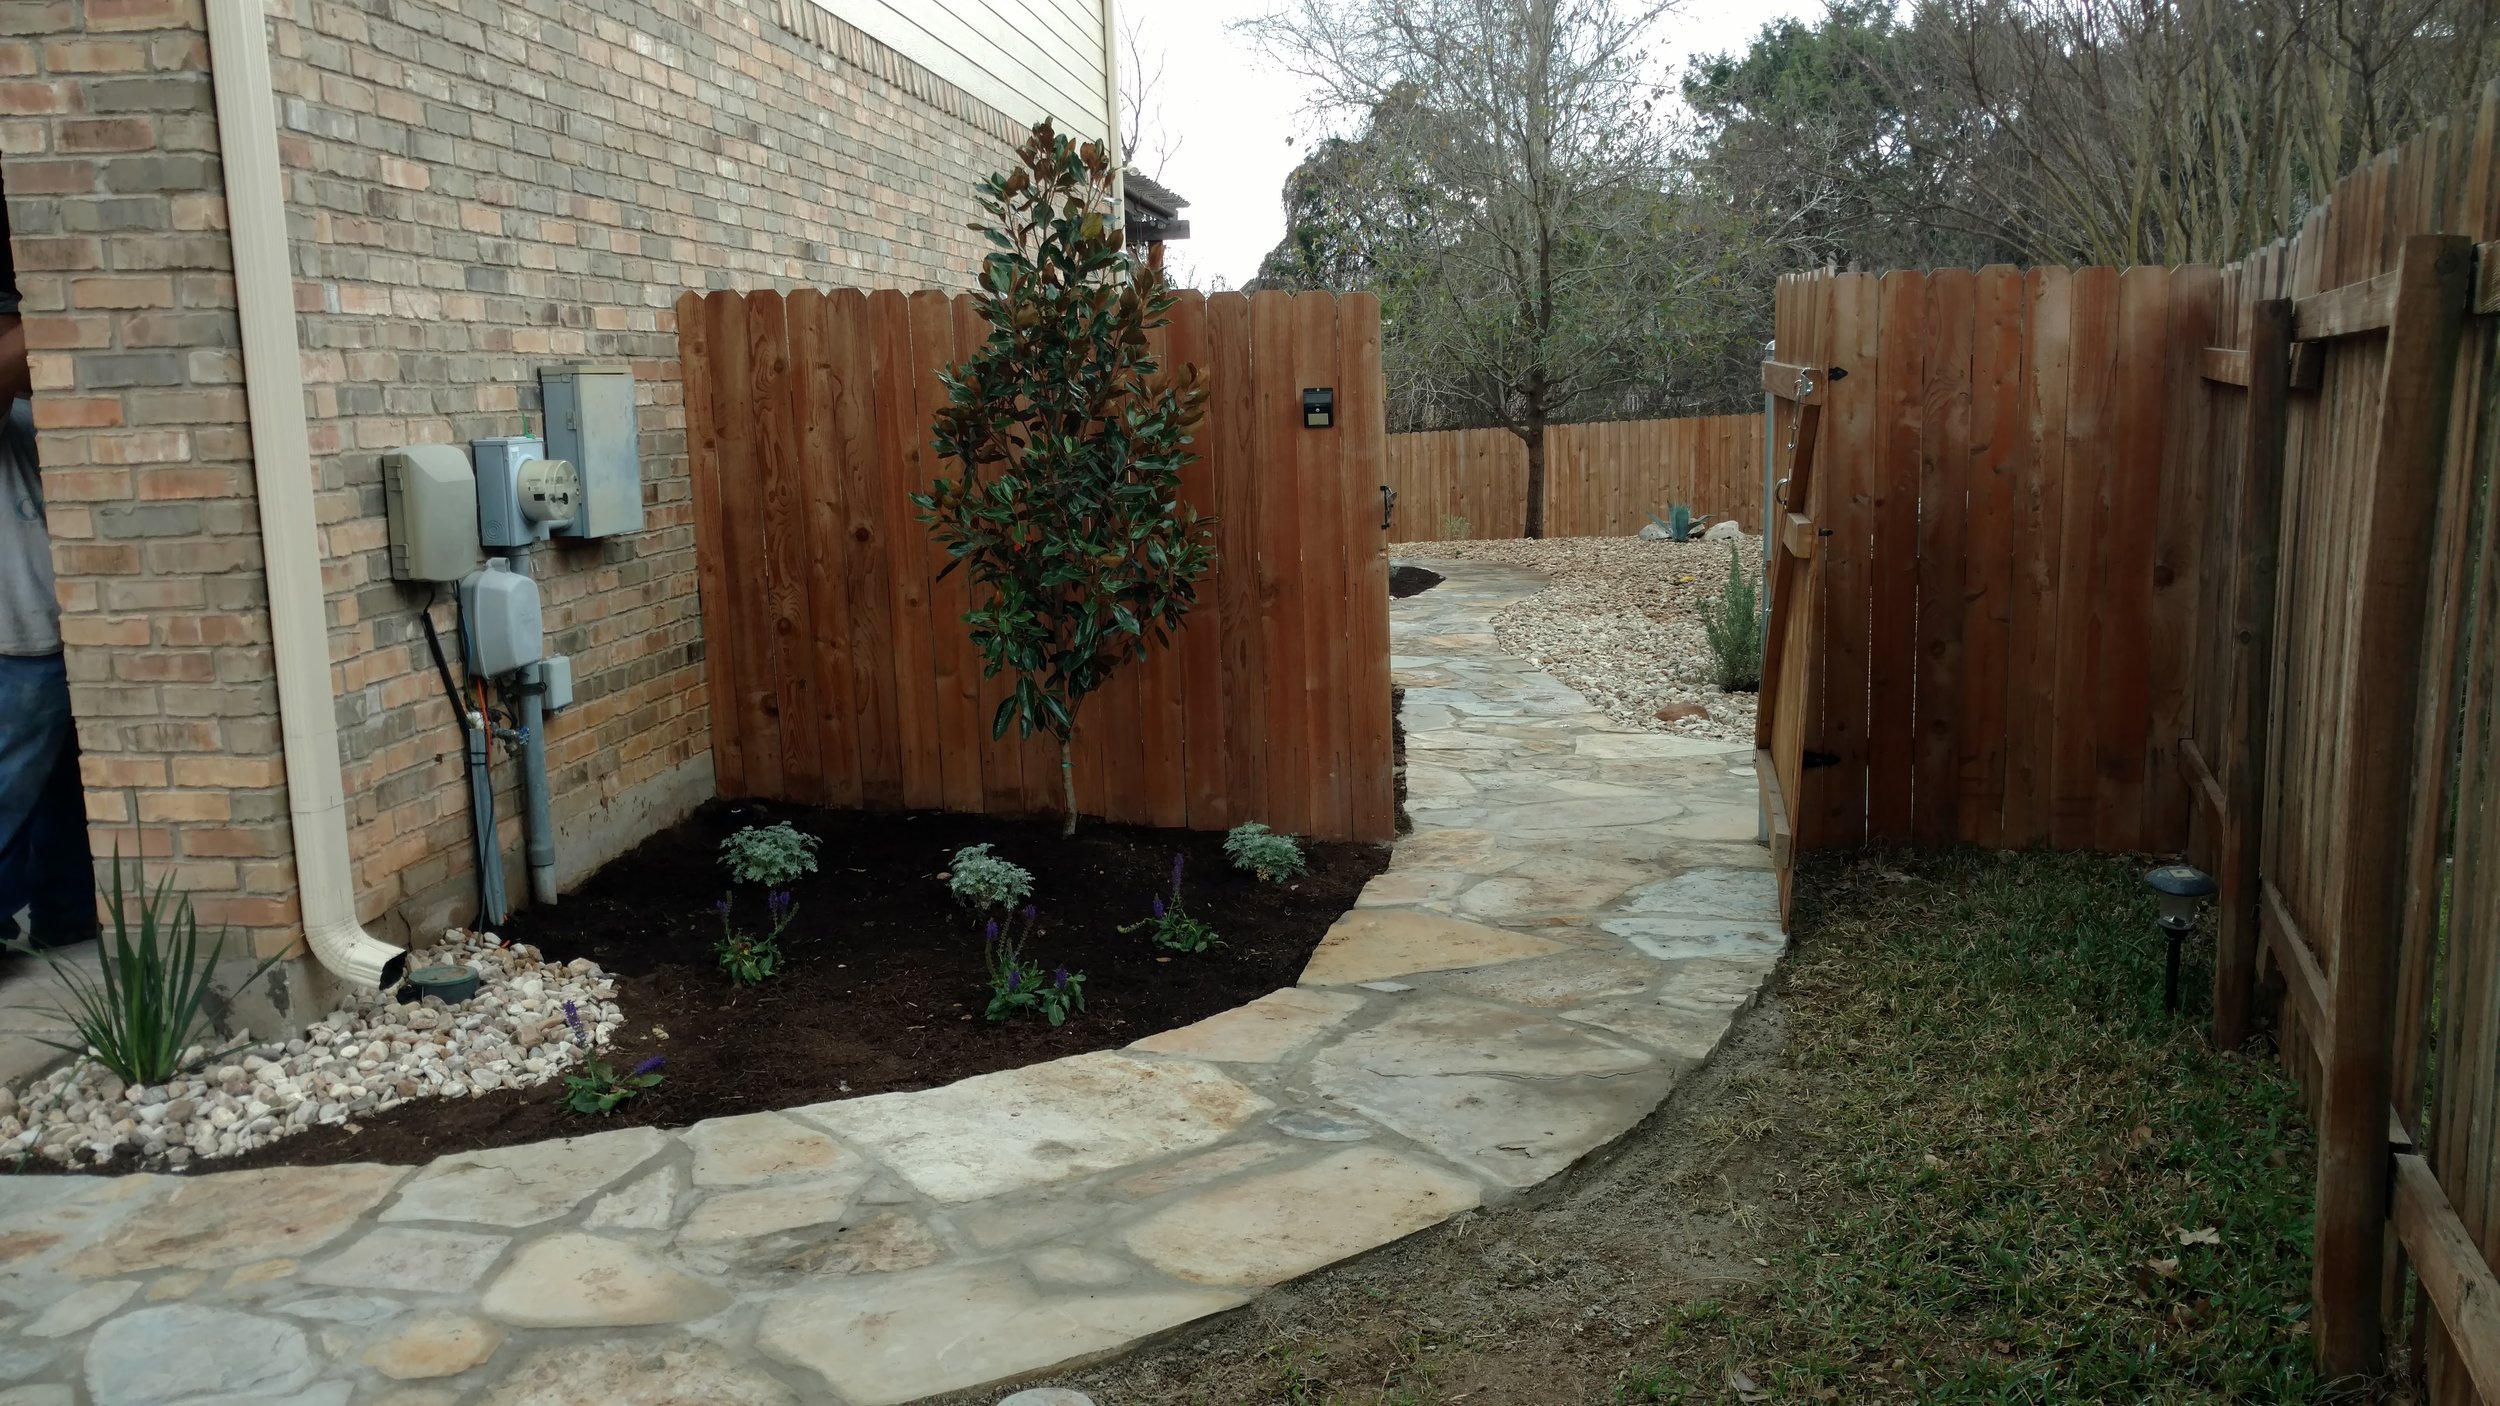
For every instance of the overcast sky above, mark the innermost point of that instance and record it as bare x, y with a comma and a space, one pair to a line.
1240, 128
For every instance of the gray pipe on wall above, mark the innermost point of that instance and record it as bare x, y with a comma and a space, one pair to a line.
538, 811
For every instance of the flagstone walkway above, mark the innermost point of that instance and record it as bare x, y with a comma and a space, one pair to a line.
1576, 920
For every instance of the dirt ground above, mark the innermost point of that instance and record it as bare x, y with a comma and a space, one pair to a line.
1552, 1300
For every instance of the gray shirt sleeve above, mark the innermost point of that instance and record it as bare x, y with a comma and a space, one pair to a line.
30, 611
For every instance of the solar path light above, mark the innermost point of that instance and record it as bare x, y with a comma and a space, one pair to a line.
2181, 887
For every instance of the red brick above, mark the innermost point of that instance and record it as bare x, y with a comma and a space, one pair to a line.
172, 666
164, 807
108, 773
96, 56
124, 292
111, 15
93, 631
108, 134
250, 773
63, 412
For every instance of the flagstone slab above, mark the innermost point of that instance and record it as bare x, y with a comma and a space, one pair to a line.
1511, 1096
1269, 1228
639, 1372
1550, 885
518, 1186
233, 1218
744, 1215
411, 1261
1713, 892
1671, 939
1466, 851
996, 1133
1653, 746
573, 1280
1262, 1032
890, 1339
1399, 887
1369, 944
1565, 979
184, 1352
757, 1147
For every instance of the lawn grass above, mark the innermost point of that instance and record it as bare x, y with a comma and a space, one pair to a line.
2011, 1160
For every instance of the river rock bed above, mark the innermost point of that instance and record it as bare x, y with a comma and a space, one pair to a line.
1621, 623
371, 1054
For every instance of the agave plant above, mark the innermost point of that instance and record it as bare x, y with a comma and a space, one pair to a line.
141, 1009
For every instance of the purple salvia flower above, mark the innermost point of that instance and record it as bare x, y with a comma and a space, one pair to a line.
1178, 861
989, 931
1059, 979
573, 1017
721, 907
650, 1064
1015, 980
1158, 906
779, 901
1032, 915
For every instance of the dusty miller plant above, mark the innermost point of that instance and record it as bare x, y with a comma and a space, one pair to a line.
982, 881
1273, 857
769, 854
1065, 508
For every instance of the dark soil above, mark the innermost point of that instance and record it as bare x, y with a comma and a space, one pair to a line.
882, 986
1407, 581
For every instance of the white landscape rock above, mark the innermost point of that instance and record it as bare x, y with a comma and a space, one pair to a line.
371, 1054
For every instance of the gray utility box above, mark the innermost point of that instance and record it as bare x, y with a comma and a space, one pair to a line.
590, 420
430, 493
499, 618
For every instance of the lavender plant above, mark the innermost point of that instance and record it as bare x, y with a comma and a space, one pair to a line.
1019, 985
599, 1088
751, 957
1171, 926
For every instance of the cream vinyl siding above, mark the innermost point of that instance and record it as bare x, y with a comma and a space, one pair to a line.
1028, 58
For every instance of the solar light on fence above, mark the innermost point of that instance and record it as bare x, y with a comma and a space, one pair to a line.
2182, 888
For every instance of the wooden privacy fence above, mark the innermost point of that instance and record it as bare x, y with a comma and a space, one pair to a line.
2003, 654
2132, 560
841, 671
1602, 479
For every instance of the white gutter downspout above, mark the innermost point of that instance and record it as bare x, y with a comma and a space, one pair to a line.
1111, 105
264, 285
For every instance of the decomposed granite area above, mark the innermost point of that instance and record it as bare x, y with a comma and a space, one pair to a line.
1576, 920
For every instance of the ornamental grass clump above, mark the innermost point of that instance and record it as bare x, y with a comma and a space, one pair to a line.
750, 957
1274, 858
769, 854
142, 1008
985, 883
1171, 926
1069, 443
1018, 985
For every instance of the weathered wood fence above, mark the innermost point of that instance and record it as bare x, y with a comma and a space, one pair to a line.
2208, 557
2004, 656
1603, 479
841, 672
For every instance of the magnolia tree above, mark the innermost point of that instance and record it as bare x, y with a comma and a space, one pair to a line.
1066, 509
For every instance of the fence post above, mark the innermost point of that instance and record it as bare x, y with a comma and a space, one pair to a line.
2252, 631
2373, 783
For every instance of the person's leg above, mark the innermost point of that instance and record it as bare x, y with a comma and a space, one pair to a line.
43, 822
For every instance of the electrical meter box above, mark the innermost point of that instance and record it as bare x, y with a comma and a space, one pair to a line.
430, 493
499, 620
590, 422
522, 495
555, 675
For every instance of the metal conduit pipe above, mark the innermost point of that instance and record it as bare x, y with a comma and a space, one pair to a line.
538, 814
247, 132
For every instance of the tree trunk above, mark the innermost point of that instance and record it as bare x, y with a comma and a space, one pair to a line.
1067, 783
1535, 436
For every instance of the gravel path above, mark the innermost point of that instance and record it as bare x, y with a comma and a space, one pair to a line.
1621, 623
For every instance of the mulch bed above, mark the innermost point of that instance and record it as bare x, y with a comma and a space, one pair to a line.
1407, 581
882, 986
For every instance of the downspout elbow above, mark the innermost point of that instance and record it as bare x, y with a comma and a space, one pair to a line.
355, 956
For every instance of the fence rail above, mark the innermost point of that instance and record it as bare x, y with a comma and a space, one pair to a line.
1603, 479
2207, 557
841, 671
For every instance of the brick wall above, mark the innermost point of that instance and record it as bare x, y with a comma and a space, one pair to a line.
109, 132
476, 189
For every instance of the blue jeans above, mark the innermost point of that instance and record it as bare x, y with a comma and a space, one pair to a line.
44, 861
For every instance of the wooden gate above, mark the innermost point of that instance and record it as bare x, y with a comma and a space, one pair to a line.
1792, 644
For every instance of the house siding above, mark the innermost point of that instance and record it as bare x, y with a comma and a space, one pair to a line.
476, 189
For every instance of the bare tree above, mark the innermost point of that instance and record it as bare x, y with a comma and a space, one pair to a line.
1527, 136
1141, 102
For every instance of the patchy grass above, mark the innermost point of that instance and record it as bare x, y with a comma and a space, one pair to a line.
2022, 1180
1949, 1158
